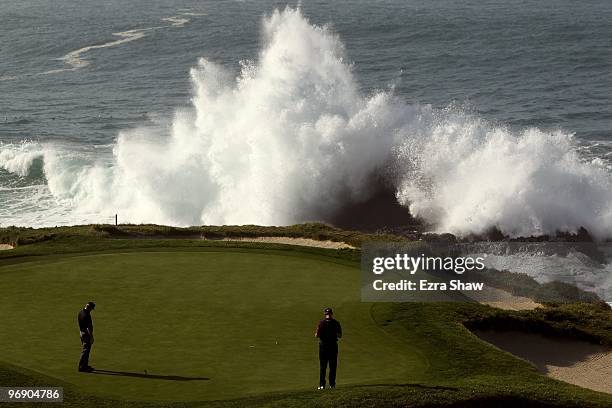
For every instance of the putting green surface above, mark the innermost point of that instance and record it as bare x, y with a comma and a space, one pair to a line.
204, 324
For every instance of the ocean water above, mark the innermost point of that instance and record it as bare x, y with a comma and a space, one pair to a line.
475, 113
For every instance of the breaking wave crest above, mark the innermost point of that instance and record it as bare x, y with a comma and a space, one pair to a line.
293, 139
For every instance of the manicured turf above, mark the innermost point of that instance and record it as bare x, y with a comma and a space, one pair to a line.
204, 319
216, 324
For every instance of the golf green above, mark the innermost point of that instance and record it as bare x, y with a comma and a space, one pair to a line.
203, 324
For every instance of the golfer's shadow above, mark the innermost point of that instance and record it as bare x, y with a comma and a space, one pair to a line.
149, 376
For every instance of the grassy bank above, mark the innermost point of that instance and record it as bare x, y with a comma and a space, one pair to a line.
22, 236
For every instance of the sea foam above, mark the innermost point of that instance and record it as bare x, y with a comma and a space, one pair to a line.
292, 138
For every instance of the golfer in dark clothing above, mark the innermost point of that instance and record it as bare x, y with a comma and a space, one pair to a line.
328, 333
87, 338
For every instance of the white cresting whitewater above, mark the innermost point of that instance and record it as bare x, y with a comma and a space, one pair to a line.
292, 139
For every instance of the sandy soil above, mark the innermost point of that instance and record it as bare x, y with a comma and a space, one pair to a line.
5, 246
502, 299
296, 241
576, 362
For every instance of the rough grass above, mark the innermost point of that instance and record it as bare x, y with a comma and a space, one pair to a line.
22, 236
591, 322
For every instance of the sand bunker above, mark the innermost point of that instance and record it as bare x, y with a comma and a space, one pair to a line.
296, 241
5, 247
576, 362
503, 300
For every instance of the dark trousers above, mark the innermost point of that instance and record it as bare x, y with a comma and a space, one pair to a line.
328, 354
86, 342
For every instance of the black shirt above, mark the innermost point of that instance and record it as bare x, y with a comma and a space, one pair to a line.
329, 330
85, 320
